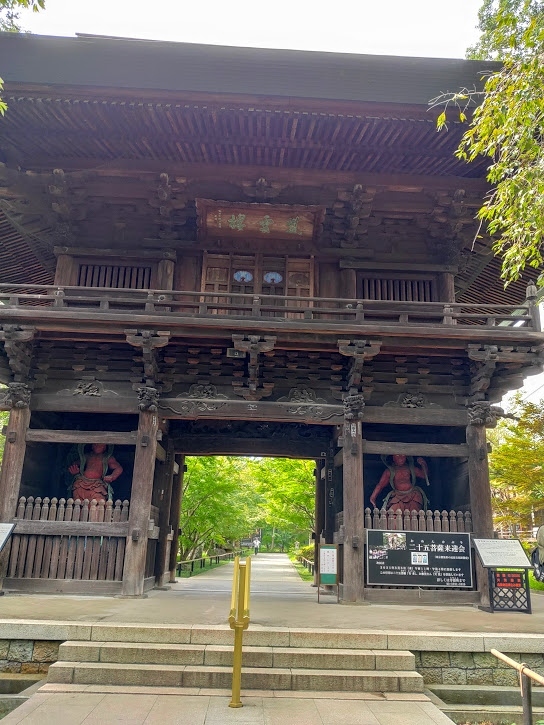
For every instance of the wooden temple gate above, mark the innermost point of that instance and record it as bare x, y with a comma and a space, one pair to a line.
242, 274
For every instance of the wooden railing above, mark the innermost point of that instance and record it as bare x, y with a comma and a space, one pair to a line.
308, 309
388, 520
69, 539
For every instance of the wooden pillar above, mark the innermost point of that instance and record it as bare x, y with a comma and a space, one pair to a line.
320, 488
446, 287
348, 284
175, 512
165, 273
162, 565
480, 415
353, 590
14, 457
140, 499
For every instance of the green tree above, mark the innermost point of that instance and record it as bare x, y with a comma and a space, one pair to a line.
219, 504
507, 127
503, 25
287, 490
516, 465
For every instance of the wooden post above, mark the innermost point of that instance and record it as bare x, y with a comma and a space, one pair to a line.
353, 589
161, 563
140, 499
446, 287
175, 511
14, 457
320, 489
480, 415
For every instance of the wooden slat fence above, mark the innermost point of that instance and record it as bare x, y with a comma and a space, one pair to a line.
388, 520
69, 539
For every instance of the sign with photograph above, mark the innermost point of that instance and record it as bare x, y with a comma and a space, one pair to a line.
501, 553
418, 559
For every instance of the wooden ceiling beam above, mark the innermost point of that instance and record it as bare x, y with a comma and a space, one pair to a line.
189, 172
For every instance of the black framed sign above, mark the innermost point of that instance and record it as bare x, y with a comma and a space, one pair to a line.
418, 559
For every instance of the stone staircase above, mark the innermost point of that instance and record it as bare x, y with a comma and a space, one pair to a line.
302, 660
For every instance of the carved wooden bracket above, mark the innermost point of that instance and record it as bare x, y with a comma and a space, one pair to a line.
483, 368
17, 395
359, 350
148, 341
254, 345
481, 412
18, 344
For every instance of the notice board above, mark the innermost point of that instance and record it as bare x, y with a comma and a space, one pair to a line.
502, 553
328, 564
418, 559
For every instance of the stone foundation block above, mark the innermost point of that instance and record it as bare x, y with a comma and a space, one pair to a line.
435, 659
45, 651
21, 650
454, 676
481, 676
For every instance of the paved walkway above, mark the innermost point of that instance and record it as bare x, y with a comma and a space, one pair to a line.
279, 598
132, 707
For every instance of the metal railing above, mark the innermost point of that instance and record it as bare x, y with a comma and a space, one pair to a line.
172, 303
239, 621
526, 677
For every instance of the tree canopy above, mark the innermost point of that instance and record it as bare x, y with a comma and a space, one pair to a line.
507, 127
516, 464
228, 498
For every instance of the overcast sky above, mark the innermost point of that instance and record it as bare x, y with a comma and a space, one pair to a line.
427, 28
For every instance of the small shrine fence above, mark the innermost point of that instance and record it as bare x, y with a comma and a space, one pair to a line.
68, 545
388, 520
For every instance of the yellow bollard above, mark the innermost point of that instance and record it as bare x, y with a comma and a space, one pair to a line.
239, 620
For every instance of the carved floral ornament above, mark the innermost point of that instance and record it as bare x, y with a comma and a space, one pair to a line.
17, 395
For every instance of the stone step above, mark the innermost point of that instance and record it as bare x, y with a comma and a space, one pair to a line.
255, 637
253, 678
221, 655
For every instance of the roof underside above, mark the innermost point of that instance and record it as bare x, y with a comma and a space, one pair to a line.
114, 114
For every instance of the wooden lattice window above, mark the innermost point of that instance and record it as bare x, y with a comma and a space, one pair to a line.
383, 286
114, 275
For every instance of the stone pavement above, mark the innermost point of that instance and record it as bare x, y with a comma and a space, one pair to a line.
156, 706
279, 598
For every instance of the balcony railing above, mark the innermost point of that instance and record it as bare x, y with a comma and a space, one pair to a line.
331, 311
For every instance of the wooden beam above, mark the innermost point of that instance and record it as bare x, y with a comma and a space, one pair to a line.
161, 453
70, 528
116, 438
446, 450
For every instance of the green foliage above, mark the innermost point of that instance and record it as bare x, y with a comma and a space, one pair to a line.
516, 464
504, 25
10, 12
506, 127
219, 504
228, 498
307, 552
4, 418
287, 490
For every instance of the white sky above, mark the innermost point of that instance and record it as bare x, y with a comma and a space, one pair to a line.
427, 28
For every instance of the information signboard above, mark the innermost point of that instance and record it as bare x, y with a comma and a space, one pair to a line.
501, 553
327, 572
328, 564
418, 559
5, 532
